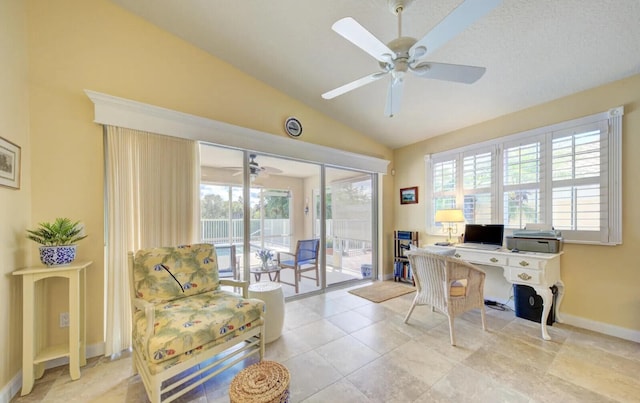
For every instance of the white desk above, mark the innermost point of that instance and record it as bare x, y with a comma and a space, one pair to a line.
33, 355
537, 270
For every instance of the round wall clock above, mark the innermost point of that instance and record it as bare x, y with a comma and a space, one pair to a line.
293, 127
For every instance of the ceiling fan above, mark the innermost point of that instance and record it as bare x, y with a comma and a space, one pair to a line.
255, 170
404, 54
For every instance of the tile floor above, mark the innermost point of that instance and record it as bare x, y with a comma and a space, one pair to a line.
342, 348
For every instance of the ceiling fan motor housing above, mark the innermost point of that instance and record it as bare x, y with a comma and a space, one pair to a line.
399, 61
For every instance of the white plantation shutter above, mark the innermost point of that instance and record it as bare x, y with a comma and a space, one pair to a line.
523, 188
580, 181
445, 184
567, 175
442, 185
478, 179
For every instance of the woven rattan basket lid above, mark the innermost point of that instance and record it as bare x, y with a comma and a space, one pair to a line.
264, 382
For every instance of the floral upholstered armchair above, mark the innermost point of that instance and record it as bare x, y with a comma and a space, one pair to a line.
182, 318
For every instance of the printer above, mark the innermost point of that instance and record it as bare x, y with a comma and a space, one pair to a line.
535, 240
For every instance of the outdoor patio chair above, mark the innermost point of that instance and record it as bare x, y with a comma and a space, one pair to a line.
227, 261
304, 260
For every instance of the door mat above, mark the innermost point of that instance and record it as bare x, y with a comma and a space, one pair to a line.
382, 290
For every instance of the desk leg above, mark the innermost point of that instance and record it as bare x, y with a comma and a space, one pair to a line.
560, 286
547, 301
28, 322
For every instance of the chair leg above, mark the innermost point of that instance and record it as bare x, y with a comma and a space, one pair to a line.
317, 278
451, 335
484, 325
296, 277
413, 305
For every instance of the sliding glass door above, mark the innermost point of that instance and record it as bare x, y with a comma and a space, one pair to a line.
349, 217
253, 204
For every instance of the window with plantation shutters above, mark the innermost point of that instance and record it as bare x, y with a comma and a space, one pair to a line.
445, 185
579, 180
523, 187
567, 176
477, 187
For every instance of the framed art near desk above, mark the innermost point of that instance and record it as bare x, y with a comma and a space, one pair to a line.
409, 195
9, 164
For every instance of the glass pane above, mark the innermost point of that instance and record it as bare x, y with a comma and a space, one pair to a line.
577, 208
349, 225
577, 156
521, 207
477, 208
221, 207
477, 171
522, 164
444, 176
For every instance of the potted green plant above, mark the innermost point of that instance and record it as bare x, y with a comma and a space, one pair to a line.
58, 240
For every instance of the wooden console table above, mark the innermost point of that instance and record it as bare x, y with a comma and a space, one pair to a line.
33, 355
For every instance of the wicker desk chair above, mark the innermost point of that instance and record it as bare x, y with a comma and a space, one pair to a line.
305, 259
450, 285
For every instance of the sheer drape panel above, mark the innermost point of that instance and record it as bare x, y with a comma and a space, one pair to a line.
152, 200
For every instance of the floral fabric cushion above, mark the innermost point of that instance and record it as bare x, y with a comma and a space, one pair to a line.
187, 324
164, 274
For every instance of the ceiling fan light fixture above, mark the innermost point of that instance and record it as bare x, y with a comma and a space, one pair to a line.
421, 68
418, 52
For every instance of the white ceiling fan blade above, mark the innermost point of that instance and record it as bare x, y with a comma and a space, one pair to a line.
457, 21
271, 170
449, 72
354, 84
394, 96
352, 31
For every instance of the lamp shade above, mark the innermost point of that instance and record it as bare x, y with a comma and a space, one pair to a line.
449, 215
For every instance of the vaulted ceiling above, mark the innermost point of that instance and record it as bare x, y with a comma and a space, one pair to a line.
534, 52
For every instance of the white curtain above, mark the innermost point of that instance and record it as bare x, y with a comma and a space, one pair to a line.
152, 200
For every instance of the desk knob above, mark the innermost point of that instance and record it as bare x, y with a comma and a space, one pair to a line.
524, 263
493, 260
524, 276
457, 255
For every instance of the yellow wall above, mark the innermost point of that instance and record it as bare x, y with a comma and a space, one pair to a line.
601, 281
51, 51
76, 45
15, 211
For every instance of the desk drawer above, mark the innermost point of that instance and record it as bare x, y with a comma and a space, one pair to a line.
481, 257
525, 262
524, 276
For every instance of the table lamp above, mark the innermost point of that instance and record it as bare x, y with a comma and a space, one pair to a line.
450, 216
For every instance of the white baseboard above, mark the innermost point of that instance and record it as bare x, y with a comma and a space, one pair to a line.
600, 327
13, 387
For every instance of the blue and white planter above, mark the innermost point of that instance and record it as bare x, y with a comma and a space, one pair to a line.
57, 255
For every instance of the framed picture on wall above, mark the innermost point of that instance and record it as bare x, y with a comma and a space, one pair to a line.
9, 164
409, 195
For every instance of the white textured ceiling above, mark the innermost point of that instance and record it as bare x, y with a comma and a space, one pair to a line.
534, 51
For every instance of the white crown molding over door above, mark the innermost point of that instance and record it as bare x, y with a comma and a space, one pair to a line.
115, 111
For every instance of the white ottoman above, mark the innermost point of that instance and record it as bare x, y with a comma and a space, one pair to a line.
272, 295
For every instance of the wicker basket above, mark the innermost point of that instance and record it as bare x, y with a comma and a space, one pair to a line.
263, 382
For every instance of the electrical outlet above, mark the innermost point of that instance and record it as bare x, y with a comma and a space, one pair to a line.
64, 319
